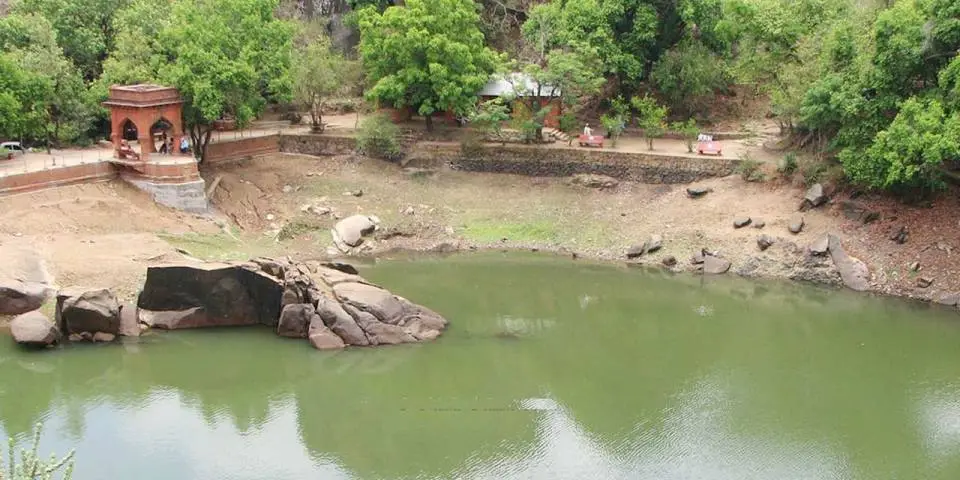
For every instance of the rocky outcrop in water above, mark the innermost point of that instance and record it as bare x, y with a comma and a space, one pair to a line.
34, 329
328, 304
84, 312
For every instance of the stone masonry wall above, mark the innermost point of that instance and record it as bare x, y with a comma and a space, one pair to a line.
535, 161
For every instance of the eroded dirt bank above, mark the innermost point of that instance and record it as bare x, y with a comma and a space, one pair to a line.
106, 234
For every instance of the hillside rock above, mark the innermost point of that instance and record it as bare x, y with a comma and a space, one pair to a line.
814, 197
349, 232
796, 224
34, 329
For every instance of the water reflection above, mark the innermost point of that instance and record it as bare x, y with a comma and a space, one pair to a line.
788, 383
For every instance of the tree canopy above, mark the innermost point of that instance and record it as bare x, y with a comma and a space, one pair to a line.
429, 55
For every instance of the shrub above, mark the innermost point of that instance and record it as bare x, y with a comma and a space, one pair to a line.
614, 125
31, 466
788, 165
811, 169
378, 137
688, 131
749, 169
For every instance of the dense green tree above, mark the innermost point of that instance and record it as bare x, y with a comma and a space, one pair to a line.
428, 55
84, 28
911, 151
651, 117
688, 75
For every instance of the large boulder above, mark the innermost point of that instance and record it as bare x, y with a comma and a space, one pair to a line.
853, 271
18, 297
88, 310
212, 295
34, 329
350, 231
590, 180
321, 337
368, 298
340, 322
295, 320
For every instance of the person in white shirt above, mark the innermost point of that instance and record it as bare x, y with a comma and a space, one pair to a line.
587, 131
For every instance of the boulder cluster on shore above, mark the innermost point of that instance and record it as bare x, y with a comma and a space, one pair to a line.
328, 304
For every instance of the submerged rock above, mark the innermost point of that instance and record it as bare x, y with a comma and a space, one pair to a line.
34, 329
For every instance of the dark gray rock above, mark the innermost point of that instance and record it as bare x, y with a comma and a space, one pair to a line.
34, 329
924, 282
914, 266
213, 294
741, 222
342, 267
697, 192
295, 320
814, 197
796, 224
765, 242
858, 211
340, 322
715, 265
88, 310
900, 235
18, 297
669, 261
853, 271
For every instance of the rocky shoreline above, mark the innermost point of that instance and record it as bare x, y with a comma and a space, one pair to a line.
329, 304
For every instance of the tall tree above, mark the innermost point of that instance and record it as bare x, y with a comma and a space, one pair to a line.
319, 73
428, 55
84, 28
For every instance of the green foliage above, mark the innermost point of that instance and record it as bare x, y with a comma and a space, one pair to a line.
749, 170
83, 28
614, 125
911, 151
320, 73
650, 118
688, 130
30, 466
428, 54
490, 116
687, 75
378, 137
788, 165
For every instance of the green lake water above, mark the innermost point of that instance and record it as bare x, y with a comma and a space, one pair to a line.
551, 369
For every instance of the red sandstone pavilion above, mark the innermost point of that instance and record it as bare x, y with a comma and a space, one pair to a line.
141, 108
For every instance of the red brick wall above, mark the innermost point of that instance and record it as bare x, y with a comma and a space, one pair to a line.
241, 148
32, 181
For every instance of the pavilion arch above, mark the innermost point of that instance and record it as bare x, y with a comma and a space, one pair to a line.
144, 105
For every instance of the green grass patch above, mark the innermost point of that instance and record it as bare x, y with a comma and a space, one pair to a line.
494, 231
220, 246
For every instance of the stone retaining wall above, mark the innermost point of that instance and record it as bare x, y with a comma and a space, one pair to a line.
535, 161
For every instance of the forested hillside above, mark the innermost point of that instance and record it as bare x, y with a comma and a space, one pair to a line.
872, 83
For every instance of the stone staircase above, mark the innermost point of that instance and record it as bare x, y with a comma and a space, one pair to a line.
557, 134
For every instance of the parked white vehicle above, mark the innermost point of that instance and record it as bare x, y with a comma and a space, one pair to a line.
13, 148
